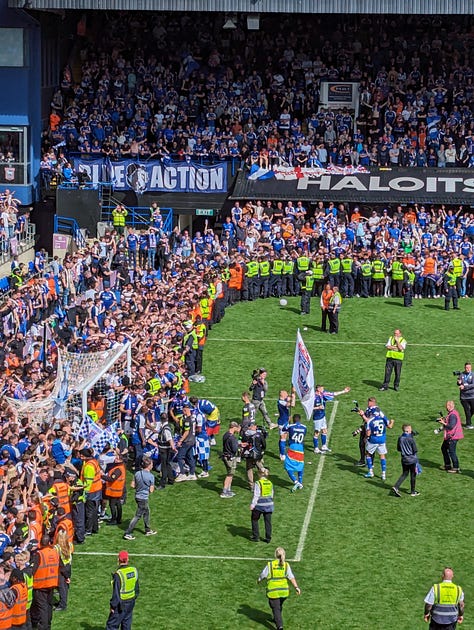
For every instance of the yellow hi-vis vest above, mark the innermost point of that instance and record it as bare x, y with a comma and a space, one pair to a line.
318, 271
377, 270
277, 583
446, 603
397, 270
205, 307
128, 581
457, 267
154, 385
334, 265
29, 584
252, 269
395, 354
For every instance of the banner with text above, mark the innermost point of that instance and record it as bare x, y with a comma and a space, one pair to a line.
381, 185
155, 176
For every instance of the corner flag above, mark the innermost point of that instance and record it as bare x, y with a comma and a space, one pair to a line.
303, 377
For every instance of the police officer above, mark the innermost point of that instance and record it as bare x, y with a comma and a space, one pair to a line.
333, 270
466, 393
167, 450
91, 477
306, 291
276, 277
365, 278
444, 604
262, 505
278, 573
288, 278
347, 278
190, 348
78, 503
450, 290
397, 277
318, 274
264, 271
125, 590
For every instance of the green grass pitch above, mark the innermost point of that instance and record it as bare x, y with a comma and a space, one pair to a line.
369, 558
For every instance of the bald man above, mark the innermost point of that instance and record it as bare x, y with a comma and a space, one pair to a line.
444, 604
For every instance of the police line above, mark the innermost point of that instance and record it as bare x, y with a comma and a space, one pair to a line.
155, 176
397, 185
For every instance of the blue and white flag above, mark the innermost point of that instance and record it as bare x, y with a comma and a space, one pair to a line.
59, 409
257, 172
303, 376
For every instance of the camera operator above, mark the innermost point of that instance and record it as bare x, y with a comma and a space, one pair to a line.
466, 393
360, 431
253, 448
452, 434
259, 387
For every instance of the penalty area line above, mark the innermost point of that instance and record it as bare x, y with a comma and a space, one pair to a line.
314, 492
170, 556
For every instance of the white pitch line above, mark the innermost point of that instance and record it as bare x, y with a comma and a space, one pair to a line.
340, 343
168, 555
314, 492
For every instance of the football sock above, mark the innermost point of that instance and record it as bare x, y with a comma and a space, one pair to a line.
369, 462
383, 464
281, 446
300, 477
315, 442
291, 475
324, 439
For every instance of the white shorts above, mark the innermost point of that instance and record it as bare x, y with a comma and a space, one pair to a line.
319, 425
381, 449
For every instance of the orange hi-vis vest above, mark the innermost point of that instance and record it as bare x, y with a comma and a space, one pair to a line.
47, 573
5, 617
96, 485
19, 609
65, 524
36, 530
114, 489
60, 489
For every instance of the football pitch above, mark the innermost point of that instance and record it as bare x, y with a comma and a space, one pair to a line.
363, 558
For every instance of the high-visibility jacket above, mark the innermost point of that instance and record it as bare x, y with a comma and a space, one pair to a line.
252, 269
457, 267
65, 524
302, 263
195, 343
212, 291
288, 267
334, 265
451, 278
201, 331
114, 489
60, 489
366, 269
29, 585
91, 476
235, 280
36, 530
47, 573
264, 268
5, 617
308, 283
128, 581
429, 268
346, 264
153, 386
377, 270
318, 271
445, 609
19, 609
205, 305
119, 217
98, 406
395, 354
277, 267
397, 270
277, 582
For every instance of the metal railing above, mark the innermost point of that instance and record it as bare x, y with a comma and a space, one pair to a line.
70, 226
138, 216
25, 240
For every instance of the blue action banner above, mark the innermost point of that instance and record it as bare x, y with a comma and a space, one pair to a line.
155, 176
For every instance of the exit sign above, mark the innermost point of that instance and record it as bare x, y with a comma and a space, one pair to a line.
204, 212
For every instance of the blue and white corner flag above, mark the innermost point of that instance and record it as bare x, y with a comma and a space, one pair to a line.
303, 376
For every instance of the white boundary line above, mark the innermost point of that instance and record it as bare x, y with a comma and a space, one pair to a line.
340, 343
167, 555
314, 492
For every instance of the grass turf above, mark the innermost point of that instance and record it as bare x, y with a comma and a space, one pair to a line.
369, 558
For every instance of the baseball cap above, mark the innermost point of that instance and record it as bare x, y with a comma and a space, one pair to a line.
123, 556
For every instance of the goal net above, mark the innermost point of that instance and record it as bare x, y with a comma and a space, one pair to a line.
84, 382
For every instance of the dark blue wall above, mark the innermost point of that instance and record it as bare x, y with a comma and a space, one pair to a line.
20, 94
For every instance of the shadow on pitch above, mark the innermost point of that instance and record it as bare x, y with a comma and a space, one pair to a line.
426, 463
87, 626
260, 617
291, 308
344, 462
241, 532
439, 307
376, 384
394, 302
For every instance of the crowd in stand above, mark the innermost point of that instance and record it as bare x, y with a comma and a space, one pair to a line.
255, 95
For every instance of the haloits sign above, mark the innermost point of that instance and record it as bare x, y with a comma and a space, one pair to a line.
389, 182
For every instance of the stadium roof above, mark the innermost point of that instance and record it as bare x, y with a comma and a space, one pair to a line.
398, 7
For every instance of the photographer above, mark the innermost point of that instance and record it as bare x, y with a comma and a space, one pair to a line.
259, 387
452, 434
360, 431
230, 449
253, 448
466, 393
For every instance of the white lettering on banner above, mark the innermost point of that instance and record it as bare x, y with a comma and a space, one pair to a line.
156, 179
217, 179
413, 184
202, 180
169, 178
349, 182
399, 184
324, 183
119, 174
